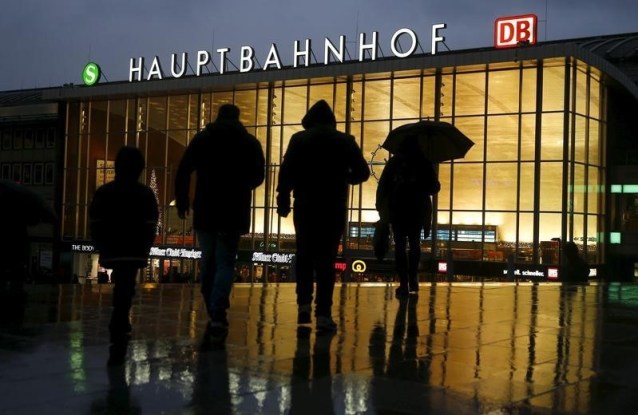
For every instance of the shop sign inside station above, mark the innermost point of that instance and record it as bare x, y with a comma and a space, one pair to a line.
403, 43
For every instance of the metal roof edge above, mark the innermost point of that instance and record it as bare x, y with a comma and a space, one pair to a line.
424, 61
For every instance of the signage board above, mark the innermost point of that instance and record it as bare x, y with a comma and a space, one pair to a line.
514, 31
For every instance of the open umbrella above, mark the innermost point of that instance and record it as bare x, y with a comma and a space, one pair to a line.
20, 203
439, 140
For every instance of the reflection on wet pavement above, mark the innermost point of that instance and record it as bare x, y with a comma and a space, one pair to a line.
454, 349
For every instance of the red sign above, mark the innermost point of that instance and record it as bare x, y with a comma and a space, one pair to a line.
513, 31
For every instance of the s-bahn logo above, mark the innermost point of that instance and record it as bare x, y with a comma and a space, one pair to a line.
513, 31
91, 74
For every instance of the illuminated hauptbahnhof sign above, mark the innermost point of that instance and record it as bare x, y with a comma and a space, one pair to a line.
333, 52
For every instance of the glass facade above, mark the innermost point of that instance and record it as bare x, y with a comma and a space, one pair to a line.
536, 171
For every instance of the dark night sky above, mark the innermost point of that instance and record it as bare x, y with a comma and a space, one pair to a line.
47, 43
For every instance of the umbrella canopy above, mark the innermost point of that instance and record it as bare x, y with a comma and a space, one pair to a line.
22, 204
438, 140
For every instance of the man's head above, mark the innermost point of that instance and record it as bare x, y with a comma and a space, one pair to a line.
228, 112
129, 163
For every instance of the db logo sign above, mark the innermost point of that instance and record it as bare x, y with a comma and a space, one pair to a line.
510, 31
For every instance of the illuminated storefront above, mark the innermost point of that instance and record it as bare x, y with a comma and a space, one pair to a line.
536, 174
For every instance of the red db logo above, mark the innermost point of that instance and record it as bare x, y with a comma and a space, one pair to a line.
510, 31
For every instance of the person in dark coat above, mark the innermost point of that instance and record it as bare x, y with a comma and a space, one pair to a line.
229, 163
574, 268
403, 199
318, 166
123, 219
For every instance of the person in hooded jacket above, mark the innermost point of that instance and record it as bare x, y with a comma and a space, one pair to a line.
404, 201
318, 166
123, 218
229, 163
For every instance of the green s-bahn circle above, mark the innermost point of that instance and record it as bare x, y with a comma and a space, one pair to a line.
91, 74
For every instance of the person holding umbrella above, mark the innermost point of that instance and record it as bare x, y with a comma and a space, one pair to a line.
403, 200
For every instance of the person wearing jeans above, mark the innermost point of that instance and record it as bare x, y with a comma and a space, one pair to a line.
219, 252
229, 164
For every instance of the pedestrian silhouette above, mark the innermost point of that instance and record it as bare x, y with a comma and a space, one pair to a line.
574, 269
318, 166
124, 216
229, 163
403, 199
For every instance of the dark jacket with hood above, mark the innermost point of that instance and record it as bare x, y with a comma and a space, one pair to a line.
229, 163
319, 164
124, 214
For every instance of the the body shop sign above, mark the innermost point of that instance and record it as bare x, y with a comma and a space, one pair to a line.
402, 44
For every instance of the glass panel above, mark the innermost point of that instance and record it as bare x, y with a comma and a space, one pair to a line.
526, 228
467, 218
505, 223
193, 112
500, 186
594, 99
322, 91
406, 98
219, 98
579, 189
579, 141
502, 138
356, 101
529, 91
552, 137
554, 85
594, 191
262, 107
117, 116
295, 104
444, 178
427, 106
447, 96
549, 226
178, 112
340, 101
592, 229
551, 187
276, 103
473, 128
503, 92
247, 102
528, 139
377, 104
581, 88
157, 113
594, 143
96, 141
527, 186
468, 186
578, 229
470, 94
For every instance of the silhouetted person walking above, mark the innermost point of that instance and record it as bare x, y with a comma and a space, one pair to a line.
404, 200
317, 168
574, 268
124, 217
229, 163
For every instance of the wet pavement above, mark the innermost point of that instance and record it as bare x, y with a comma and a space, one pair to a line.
455, 349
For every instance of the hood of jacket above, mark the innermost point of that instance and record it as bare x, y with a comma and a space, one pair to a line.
319, 113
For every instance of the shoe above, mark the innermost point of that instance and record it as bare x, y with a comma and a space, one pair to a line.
402, 291
326, 323
303, 316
